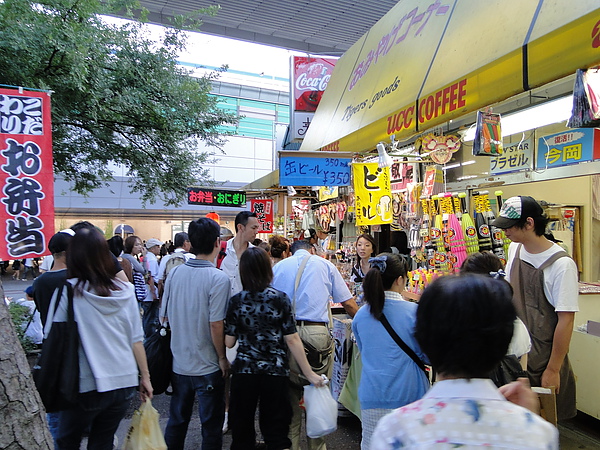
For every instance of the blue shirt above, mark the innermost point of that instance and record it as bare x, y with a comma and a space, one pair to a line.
320, 281
390, 378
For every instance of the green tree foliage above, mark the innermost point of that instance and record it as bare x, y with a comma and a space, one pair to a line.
118, 96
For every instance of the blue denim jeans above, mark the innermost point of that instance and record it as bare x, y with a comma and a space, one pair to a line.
101, 412
210, 390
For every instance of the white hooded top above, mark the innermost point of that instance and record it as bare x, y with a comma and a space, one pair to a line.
108, 327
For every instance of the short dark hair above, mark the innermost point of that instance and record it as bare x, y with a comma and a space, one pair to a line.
242, 219
539, 224
256, 272
59, 243
465, 324
115, 245
482, 263
300, 245
129, 243
180, 239
83, 224
203, 234
376, 281
90, 261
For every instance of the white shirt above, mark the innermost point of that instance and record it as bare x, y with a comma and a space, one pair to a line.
46, 264
231, 267
560, 278
320, 281
151, 265
466, 414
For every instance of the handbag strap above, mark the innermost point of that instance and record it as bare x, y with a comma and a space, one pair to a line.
297, 282
409, 351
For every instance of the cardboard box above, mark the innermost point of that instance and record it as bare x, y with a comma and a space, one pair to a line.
593, 328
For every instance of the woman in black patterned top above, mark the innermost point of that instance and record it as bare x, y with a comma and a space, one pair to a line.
260, 319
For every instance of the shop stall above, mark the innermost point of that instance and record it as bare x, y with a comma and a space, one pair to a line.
420, 84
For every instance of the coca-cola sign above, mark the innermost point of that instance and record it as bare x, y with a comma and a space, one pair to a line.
310, 76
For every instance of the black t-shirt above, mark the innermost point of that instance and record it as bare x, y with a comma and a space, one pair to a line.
259, 321
43, 288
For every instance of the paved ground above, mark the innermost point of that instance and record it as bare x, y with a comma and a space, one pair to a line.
583, 432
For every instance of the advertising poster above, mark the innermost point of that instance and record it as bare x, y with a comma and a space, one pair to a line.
264, 213
373, 194
310, 77
27, 176
571, 147
518, 156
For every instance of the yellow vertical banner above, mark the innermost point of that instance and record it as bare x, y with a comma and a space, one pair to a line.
373, 194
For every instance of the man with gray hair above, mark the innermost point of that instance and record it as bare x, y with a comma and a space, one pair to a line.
311, 282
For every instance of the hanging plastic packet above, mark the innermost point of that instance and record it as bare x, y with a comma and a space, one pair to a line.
488, 135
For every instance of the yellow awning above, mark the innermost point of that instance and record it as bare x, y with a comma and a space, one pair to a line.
425, 63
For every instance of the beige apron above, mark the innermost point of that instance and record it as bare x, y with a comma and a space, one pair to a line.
534, 309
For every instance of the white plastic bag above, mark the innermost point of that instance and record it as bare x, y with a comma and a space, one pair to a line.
321, 411
144, 432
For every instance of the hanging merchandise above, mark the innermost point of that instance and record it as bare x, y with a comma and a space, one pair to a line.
468, 226
499, 203
481, 224
488, 135
440, 261
456, 239
496, 234
434, 181
373, 193
425, 234
440, 148
586, 100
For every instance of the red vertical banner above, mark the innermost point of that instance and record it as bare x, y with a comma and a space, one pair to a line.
26, 176
264, 213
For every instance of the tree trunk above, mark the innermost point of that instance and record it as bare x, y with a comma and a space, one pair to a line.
22, 414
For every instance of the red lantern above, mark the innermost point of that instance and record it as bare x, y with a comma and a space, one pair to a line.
214, 216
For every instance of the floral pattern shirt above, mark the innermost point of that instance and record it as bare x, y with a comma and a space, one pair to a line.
463, 414
260, 321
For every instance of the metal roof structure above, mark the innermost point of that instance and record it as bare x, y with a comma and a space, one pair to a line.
313, 26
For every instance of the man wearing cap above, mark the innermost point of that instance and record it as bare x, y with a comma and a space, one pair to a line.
545, 283
43, 288
150, 304
45, 285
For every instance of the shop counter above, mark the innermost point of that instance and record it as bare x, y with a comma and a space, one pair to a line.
584, 351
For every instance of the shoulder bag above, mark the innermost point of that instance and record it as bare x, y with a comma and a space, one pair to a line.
159, 355
56, 373
318, 358
404, 346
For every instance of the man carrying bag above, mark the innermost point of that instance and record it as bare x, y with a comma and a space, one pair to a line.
311, 282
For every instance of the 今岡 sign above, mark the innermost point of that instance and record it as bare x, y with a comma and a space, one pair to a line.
264, 213
571, 147
213, 197
26, 174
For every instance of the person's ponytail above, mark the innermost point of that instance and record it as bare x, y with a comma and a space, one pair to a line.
374, 293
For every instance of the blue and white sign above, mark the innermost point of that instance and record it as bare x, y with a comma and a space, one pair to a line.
515, 157
571, 147
306, 171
